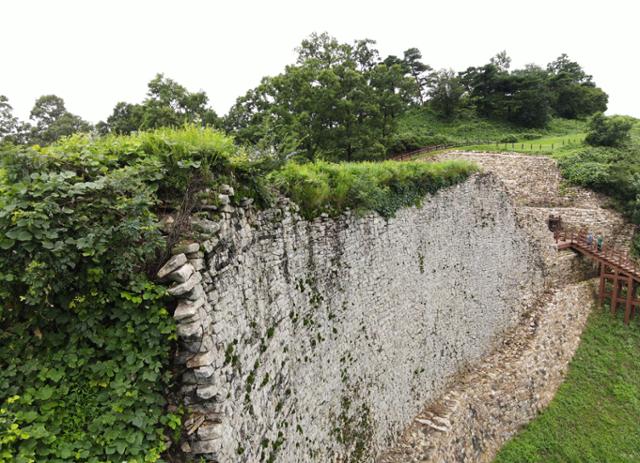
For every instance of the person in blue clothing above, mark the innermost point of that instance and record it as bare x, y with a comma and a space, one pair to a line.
590, 240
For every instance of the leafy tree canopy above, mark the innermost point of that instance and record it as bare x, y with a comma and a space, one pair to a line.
51, 121
168, 104
609, 131
338, 101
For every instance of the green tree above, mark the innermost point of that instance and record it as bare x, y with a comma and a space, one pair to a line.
609, 131
529, 97
168, 104
488, 87
339, 101
445, 93
573, 92
9, 124
501, 60
51, 121
418, 71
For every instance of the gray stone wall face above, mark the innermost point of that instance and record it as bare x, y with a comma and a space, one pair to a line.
320, 340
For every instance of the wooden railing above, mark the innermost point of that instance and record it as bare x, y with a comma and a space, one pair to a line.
426, 149
579, 240
617, 271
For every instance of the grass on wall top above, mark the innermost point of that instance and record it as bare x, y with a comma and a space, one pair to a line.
384, 187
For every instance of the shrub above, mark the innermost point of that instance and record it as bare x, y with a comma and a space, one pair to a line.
382, 187
609, 131
509, 139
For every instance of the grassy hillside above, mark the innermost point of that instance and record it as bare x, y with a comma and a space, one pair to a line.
418, 128
595, 414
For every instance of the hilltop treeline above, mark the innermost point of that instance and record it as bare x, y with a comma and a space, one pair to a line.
338, 101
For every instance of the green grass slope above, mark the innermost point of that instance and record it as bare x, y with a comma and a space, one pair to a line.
595, 415
421, 127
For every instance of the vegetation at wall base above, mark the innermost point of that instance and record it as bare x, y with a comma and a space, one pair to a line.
595, 414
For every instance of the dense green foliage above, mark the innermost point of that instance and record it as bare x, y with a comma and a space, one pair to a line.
595, 414
384, 187
608, 170
168, 104
530, 96
609, 131
420, 127
339, 102
84, 332
49, 118
342, 102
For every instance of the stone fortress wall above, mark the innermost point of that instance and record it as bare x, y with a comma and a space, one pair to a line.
303, 341
433, 336
487, 405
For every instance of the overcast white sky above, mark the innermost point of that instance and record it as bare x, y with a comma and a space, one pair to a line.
96, 53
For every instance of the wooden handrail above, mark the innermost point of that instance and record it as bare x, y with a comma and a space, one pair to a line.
613, 257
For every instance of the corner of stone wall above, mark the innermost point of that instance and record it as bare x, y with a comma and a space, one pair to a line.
189, 274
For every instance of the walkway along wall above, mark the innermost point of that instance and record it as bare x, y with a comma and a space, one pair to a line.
321, 340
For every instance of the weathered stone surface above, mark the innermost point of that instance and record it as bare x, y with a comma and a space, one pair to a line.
201, 360
186, 248
182, 288
209, 431
198, 263
473, 418
210, 245
203, 373
224, 199
380, 315
205, 226
226, 190
187, 309
361, 310
171, 265
197, 292
190, 331
207, 392
206, 446
182, 274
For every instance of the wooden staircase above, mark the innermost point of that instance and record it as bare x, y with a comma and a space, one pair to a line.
619, 274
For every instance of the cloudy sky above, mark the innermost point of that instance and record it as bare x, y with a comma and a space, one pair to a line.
94, 53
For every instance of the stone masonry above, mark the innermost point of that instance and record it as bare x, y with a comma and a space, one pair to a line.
487, 405
319, 341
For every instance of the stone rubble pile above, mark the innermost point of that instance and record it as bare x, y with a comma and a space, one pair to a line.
487, 406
